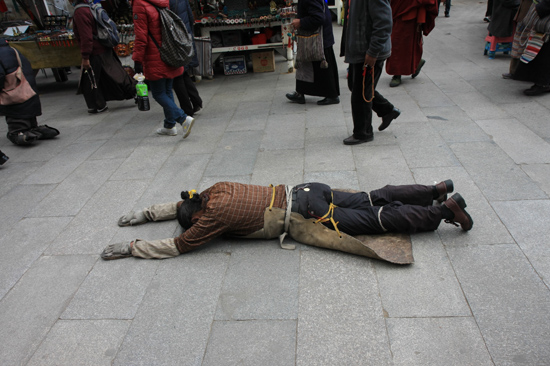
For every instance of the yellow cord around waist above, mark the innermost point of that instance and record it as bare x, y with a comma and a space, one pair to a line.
272, 197
330, 213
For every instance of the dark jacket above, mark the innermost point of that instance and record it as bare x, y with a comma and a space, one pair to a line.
8, 64
501, 24
147, 23
314, 13
543, 8
85, 29
367, 31
184, 11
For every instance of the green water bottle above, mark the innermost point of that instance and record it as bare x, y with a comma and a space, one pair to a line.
142, 93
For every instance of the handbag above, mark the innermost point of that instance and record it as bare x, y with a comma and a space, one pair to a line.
16, 87
309, 46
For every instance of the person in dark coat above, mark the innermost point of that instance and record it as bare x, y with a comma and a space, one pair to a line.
103, 77
186, 91
502, 19
147, 25
366, 44
312, 78
23, 127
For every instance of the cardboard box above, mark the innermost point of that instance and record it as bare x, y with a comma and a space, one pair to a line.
263, 61
234, 65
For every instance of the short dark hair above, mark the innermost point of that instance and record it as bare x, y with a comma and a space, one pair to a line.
188, 207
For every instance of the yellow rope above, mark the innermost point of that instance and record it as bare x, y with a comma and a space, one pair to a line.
191, 193
330, 212
272, 197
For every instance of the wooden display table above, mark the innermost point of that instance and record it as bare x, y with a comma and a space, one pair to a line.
44, 57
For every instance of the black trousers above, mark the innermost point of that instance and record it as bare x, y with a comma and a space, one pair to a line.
401, 209
187, 93
16, 124
360, 109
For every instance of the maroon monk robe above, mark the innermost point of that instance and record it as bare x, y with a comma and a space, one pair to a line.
411, 19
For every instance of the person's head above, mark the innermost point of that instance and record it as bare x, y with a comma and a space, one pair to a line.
189, 209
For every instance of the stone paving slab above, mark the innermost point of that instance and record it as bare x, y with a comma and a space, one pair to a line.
33, 306
86, 342
509, 301
528, 224
21, 200
62, 165
340, 318
174, 320
23, 244
258, 342
518, 141
496, 174
261, 283
68, 198
437, 341
92, 229
426, 289
100, 295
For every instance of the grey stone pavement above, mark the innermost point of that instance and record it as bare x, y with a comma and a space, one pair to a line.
476, 298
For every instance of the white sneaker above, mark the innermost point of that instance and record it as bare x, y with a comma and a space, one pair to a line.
187, 125
168, 131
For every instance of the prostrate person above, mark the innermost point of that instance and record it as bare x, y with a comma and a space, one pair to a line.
253, 211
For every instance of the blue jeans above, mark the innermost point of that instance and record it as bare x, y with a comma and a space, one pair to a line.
162, 93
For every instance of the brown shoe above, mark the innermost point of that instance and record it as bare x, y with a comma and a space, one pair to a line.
443, 188
457, 205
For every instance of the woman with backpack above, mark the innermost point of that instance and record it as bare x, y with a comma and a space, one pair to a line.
160, 76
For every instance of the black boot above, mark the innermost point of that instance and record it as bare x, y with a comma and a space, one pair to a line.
3, 158
45, 132
22, 137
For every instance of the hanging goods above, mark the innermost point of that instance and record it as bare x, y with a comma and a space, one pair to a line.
310, 47
142, 93
16, 87
107, 33
176, 49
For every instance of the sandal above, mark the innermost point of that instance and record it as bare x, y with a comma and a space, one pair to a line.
117, 251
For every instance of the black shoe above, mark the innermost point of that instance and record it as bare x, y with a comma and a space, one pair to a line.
443, 188
388, 118
328, 101
95, 111
447, 15
420, 64
45, 132
487, 19
296, 97
537, 90
353, 141
196, 109
3, 158
457, 205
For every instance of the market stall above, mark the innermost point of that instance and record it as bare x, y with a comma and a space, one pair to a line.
42, 32
239, 29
